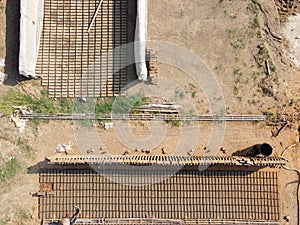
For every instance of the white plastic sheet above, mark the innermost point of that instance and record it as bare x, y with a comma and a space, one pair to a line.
31, 24
3, 77
2, 62
140, 40
291, 31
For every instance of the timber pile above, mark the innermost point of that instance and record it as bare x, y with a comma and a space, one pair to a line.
152, 63
287, 8
166, 160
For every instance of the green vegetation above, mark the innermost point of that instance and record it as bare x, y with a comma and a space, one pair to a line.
65, 105
4, 222
254, 8
226, 13
264, 57
237, 81
269, 115
118, 105
44, 92
124, 105
194, 93
42, 105
231, 33
255, 23
23, 214
218, 66
238, 39
239, 98
25, 148
179, 94
2, 6
10, 169
253, 102
193, 90
174, 123
104, 108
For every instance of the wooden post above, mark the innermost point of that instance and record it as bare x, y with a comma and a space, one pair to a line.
268, 67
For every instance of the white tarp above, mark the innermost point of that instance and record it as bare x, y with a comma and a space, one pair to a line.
3, 77
292, 34
140, 40
2, 62
31, 24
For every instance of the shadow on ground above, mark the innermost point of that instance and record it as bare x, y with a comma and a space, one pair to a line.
12, 42
250, 151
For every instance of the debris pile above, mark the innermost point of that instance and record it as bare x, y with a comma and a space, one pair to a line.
62, 148
3, 76
2, 62
152, 63
286, 8
107, 125
15, 117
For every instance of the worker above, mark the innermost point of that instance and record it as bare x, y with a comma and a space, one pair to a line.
67, 220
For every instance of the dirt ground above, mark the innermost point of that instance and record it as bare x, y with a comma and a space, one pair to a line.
233, 38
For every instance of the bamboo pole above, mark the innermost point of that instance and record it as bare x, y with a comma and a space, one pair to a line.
95, 15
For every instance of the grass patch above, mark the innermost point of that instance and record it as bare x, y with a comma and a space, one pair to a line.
124, 105
10, 169
226, 13
104, 108
255, 23
236, 89
2, 6
4, 222
218, 66
231, 33
269, 115
253, 7
237, 39
65, 105
115, 105
192, 90
237, 81
23, 214
42, 105
25, 148
44, 92
194, 93
174, 123
179, 94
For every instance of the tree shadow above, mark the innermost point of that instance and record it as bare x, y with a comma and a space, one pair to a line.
251, 151
12, 43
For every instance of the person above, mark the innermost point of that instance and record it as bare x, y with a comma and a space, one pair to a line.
67, 220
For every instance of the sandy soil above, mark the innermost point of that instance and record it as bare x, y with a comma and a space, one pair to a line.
223, 35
